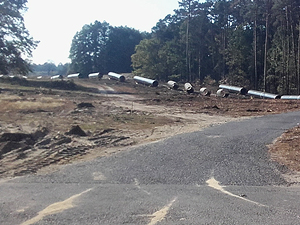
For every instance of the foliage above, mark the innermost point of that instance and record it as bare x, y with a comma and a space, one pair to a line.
252, 43
99, 47
15, 42
50, 69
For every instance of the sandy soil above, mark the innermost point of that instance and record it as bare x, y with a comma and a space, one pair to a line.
42, 127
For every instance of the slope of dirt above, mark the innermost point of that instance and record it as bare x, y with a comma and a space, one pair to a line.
82, 119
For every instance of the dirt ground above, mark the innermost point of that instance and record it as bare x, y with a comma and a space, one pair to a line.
44, 124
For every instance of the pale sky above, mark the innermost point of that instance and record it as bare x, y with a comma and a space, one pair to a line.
54, 23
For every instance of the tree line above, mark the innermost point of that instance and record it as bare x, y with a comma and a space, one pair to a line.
100, 47
253, 43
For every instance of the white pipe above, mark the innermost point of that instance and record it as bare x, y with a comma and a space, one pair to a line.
146, 81
115, 76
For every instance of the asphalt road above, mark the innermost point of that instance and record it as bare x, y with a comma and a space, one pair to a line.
220, 175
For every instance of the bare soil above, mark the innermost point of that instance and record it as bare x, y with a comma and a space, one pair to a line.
44, 124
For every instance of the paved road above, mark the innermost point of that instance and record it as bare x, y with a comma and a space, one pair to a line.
220, 175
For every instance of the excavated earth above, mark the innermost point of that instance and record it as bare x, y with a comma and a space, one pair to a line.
46, 123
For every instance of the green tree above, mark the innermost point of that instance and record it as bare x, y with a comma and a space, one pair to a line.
88, 48
15, 41
238, 58
99, 47
120, 46
145, 61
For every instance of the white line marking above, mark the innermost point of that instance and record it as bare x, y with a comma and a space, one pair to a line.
213, 183
55, 208
161, 214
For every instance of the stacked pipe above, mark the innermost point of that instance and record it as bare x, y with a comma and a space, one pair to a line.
115, 76
145, 81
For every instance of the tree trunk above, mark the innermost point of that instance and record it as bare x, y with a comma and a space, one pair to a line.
298, 64
266, 49
255, 48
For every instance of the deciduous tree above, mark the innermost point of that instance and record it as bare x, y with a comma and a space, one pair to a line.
15, 41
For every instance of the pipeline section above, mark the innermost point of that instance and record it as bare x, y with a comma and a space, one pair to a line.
188, 88
75, 75
172, 85
240, 90
115, 76
95, 75
263, 94
204, 91
145, 81
290, 97
56, 77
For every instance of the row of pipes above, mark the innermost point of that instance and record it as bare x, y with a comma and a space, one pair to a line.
114, 76
262, 94
188, 87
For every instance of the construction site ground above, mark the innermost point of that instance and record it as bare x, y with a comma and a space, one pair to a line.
44, 124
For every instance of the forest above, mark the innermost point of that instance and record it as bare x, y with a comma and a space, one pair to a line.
252, 43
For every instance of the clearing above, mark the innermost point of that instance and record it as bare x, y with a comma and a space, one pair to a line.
47, 123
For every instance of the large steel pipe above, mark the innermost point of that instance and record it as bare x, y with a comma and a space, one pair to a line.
222, 93
173, 85
115, 76
188, 88
56, 77
240, 90
263, 94
290, 97
204, 91
75, 75
146, 81
95, 75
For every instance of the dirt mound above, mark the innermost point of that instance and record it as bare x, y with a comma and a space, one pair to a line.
85, 105
76, 130
19, 141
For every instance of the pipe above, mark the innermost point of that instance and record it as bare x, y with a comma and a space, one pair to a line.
98, 75
290, 97
173, 85
263, 94
241, 90
188, 88
146, 81
204, 91
56, 77
222, 93
75, 75
115, 76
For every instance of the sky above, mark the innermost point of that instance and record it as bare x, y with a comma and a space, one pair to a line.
54, 23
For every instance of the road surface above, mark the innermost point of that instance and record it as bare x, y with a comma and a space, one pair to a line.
219, 175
